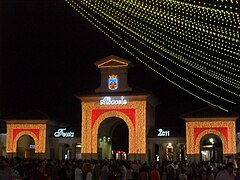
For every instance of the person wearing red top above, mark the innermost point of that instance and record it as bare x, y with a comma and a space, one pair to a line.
155, 174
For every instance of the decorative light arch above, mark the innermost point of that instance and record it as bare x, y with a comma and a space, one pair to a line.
133, 114
34, 128
120, 115
211, 131
225, 128
29, 133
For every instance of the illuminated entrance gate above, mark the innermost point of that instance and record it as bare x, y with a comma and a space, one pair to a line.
18, 129
112, 101
113, 139
204, 125
93, 115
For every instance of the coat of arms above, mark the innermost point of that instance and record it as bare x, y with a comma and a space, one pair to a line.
113, 82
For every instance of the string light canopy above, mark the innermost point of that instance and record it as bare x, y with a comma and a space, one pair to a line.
193, 44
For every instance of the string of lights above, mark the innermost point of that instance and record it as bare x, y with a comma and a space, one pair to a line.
196, 65
195, 74
167, 17
177, 47
214, 67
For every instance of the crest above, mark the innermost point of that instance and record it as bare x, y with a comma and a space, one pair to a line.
112, 82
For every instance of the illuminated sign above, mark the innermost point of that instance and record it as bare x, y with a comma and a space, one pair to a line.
163, 133
61, 133
107, 100
31, 146
112, 82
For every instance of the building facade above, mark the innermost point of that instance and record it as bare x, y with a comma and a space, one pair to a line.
119, 122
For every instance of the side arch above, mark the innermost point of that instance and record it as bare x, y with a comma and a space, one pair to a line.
120, 115
29, 133
211, 131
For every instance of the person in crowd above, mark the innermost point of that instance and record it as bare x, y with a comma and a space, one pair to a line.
52, 168
164, 173
218, 169
78, 172
171, 173
96, 170
227, 173
203, 174
5, 170
41, 173
129, 175
182, 173
189, 171
104, 171
112, 174
69, 170
18, 172
155, 174
112, 169
88, 171
210, 175
136, 168
143, 173
122, 170
62, 171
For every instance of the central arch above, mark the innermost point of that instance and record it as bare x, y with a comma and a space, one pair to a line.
111, 114
113, 139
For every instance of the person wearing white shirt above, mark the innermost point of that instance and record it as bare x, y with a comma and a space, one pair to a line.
78, 172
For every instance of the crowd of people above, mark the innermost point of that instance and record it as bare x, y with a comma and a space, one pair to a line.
109, 169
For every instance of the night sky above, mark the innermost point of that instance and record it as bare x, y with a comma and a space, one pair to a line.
47, 51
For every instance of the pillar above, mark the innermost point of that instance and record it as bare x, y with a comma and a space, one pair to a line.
175, 151
160, 152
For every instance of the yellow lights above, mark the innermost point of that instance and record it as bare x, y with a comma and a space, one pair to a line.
183, 38
104, 117
224, 128
16, 130
136, 126
106, 64
211, 131
104, 139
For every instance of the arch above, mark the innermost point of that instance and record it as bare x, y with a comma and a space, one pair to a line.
25, 147
29, 133
120, 115
117, 141
109, 126
206, 139
210, 131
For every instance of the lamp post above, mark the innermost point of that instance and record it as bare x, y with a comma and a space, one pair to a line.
213, 149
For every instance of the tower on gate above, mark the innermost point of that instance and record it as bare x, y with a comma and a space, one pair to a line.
113, 102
